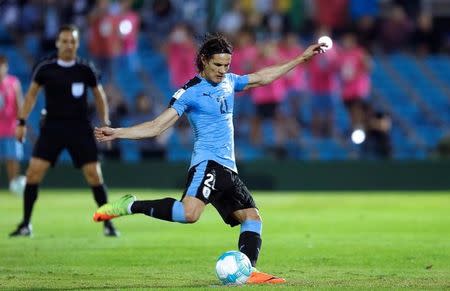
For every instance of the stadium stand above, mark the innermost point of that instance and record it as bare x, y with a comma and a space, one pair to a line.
413, 90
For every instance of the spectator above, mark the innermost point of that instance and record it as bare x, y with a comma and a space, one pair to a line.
254, 23
323, 75
51, 22
104, 38
129, 24
29, 17
276, 22
195, 14
443, 148
11, 151
267, 99
78, 11
245, 52
296, 87
245, 57
233, 20
159, 20
144, 110
363, 15
180, 55
411, 7
355, 66
331, 13
378, 142
396, 30
426, 38
367, 31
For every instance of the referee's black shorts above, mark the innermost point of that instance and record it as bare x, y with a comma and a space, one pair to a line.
75, 136
213, 183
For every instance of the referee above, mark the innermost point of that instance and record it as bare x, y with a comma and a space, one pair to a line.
65, 79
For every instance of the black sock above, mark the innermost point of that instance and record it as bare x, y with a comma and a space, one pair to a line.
250, 244
161, 208
100, 195
29, 198
108, 224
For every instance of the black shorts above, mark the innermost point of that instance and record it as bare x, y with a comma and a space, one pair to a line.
76, 137
213, 183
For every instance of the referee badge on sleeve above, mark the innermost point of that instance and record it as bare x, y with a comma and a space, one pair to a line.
77, 89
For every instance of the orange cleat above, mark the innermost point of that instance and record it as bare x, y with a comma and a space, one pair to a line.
115, 209
258, 277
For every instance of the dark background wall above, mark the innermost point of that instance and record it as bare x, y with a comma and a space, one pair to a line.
270, 175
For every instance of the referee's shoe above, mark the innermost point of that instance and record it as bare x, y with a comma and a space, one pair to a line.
22, 230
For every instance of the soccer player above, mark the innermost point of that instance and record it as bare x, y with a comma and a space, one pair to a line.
65, 79
208, 101
11, 151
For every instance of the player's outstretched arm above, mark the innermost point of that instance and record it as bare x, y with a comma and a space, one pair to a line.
142, 130
270, 74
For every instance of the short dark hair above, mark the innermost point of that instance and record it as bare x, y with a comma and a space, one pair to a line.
68, 27
3, 60
213, 44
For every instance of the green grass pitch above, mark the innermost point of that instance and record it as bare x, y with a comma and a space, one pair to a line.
373, 240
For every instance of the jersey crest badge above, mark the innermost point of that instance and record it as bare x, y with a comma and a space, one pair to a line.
77, 89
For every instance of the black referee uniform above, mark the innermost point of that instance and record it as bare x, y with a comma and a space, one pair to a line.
66, 125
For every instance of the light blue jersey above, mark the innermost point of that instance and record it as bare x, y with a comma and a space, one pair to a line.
209, 108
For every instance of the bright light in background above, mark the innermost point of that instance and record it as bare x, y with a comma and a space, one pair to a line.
358, 136
125, 27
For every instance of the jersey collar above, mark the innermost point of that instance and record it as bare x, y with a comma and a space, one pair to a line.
208, 81
65, 63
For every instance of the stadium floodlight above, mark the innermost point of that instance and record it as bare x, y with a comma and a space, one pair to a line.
358, 136
125, 27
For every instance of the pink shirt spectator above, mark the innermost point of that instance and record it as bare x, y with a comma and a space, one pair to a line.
323, 72
296, 78
354, 74
104, 37
275, 91
129, 28
244, 59
8, 106
181, 52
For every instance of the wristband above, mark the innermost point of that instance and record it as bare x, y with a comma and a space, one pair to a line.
21, 122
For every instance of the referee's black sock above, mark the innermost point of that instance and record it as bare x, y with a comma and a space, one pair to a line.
100, 195
29, 198
167, 209
250, 244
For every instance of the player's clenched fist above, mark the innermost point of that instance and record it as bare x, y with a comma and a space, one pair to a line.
104, 133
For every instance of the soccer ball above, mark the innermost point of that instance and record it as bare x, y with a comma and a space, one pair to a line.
233, 268
17, 185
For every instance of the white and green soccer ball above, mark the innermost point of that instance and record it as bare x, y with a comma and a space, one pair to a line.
233, 268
